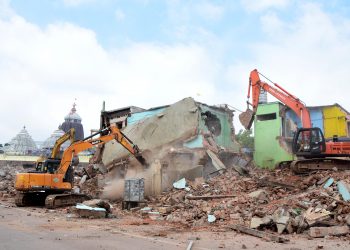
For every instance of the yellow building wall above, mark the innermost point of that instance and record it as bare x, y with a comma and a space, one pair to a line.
334, 122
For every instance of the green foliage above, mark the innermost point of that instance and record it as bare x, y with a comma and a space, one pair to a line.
245, 138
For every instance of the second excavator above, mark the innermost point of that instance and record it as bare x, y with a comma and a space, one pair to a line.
56, 150
313, 152
52, 184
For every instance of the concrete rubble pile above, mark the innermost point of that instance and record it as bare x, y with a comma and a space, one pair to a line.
7, 180
277, 201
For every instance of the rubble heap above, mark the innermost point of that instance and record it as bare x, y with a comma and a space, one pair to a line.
7, 180
275, 201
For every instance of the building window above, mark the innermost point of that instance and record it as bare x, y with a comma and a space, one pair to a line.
266, 117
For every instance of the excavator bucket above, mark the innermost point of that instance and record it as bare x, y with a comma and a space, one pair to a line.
144, 157
246, 118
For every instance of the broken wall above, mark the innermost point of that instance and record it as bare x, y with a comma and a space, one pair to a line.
180, 120
175, 140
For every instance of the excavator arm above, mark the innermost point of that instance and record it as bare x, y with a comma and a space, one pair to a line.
254, 90
89, 142
70, 135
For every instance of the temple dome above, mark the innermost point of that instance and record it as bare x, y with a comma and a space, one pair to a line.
73, 115
50, 142
73, 120
21, 144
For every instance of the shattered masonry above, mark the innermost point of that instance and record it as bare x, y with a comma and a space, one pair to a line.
174, 138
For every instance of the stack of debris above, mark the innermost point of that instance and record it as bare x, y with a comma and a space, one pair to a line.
93, 209
7, 179
274, 201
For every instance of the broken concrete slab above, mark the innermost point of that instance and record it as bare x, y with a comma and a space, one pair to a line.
154, 215
216, 161
282, 218
85, 211
343, 190
256, 222
260, 195
313, 217
99, 203
320, 232
180, 184
164, 210
328, 183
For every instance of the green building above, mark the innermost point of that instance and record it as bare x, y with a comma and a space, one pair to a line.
270, 147
275, 124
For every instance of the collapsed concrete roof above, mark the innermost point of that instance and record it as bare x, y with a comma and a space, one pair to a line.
187, 121
187, 139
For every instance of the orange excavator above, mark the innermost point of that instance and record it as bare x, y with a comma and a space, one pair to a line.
309, 145
53, 186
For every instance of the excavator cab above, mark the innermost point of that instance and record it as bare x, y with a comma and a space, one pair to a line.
308, 142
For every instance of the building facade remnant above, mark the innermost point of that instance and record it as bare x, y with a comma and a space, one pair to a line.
176, 138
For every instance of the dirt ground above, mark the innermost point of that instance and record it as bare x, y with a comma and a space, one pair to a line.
35, 228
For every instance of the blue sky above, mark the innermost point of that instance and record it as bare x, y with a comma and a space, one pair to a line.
149, 53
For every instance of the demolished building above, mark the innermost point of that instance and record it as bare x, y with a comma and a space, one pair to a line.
186, 139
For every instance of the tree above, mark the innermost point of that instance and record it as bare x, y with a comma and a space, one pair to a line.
245, 138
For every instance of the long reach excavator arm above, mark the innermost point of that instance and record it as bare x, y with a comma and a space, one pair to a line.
254, 89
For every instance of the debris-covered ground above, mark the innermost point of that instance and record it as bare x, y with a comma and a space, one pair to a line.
270, 201
276, 206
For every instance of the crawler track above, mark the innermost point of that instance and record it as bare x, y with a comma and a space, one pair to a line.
61, 200
310, 165
50, 201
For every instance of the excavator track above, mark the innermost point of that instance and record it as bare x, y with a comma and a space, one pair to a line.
30, 199
60, 200
309, 165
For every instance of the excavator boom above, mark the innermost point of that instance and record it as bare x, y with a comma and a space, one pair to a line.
254, 89
70, 135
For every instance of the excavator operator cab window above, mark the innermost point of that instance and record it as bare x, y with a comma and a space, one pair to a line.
308, 141
51, 165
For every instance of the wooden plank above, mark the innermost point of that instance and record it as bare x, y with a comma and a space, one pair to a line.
259, 234
206, 197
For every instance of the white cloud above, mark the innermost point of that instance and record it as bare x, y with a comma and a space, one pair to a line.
74, 3
5, 9
42, 71
260, 5
209, 10
119, 15
270, 24
308, 57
